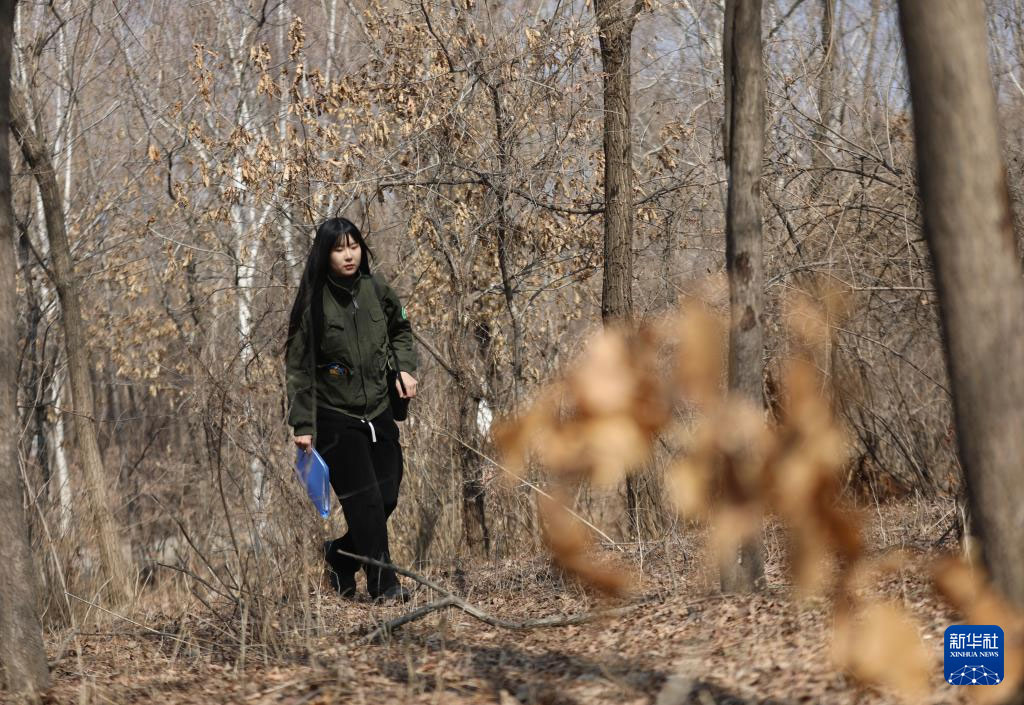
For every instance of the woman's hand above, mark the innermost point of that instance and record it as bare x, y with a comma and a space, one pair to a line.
410, 385
304, 442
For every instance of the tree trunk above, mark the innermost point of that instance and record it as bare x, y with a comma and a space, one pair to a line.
22, 656
504, 233
466, 353
968, 227
826, 88
616, 31
744, 147
474, 516
98, 497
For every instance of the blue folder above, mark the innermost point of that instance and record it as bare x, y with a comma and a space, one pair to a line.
316, 478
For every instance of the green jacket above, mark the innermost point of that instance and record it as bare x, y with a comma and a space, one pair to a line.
351, 375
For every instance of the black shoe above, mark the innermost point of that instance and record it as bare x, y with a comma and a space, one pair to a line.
395, 593
344, 583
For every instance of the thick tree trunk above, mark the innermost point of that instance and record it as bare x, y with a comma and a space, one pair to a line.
98, 497
616, 21
616, 29
22, 657
968, 227
744, 147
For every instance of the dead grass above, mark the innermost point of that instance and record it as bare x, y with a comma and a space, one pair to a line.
688, 645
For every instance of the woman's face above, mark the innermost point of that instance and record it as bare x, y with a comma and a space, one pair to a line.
345, 256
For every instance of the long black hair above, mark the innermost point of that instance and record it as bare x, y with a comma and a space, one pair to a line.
310, 295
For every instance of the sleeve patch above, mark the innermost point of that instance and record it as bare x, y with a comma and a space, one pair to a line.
405, 316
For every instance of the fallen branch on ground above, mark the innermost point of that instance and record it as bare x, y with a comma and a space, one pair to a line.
449, 599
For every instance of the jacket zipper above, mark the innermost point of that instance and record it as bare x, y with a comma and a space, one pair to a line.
362, 371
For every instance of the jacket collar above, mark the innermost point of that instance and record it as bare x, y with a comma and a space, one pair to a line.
346, 286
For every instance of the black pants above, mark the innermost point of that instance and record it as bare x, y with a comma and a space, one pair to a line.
365, 474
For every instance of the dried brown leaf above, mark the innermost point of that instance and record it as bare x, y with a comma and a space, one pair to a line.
699, 354
516, 437
570, 547
880, 645
811, 316
689, 487
732, 526
603, 381
612, 446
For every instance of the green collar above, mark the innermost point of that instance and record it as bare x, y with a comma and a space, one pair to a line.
346, 284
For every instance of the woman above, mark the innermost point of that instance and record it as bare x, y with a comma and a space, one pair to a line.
338, 357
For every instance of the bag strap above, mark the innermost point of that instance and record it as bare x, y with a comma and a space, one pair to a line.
387, 334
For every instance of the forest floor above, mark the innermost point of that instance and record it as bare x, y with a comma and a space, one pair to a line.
683, 644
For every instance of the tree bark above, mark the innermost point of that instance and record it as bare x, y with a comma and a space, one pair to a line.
475, 531
616, 29
826, 87
505, 232
615, 22
466, 352
969, 231
22, 657
97, 494
744, 148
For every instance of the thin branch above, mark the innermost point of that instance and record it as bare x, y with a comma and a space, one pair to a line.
436, 354
782, 20
523, 481
175, 637
449, 599
443, 46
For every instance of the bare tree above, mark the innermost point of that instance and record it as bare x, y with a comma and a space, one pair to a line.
615, 24
826, 83
744, 147
116, 562
22, 656
615, 20
969, 229
188, 213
